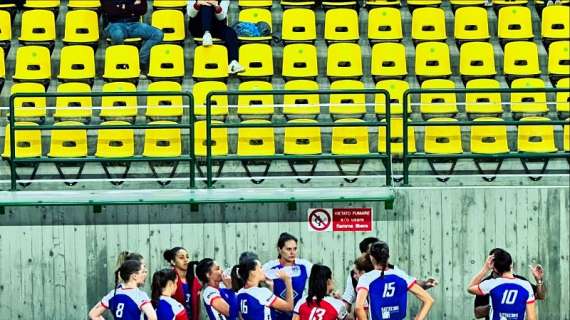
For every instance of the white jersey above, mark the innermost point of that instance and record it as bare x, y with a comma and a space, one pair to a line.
509, 297
255, 303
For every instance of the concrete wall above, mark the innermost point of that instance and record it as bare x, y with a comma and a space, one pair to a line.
55, 263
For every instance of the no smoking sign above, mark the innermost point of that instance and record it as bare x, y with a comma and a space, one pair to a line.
340, 220
319, 220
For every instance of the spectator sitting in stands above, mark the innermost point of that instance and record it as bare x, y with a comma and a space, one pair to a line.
124, 17
208, 18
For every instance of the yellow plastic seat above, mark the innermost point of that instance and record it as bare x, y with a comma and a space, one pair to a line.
256, 141
73, 107
302, 140
8, 6
563, 97
219, 139
169, 4
521, 59
171, 23
33, 63
385, 24
297, 3
350, 140
566, 138
68, 143
306, 104
528, 102
77, 63
428, 24
84, 4
200, 91
81, 27
559, 59
489, 139
341, 24
515, 23
556, 23
330, 4
38, 26
255, 104
121, 63
299, 25
389, 61
471, 24
29, 107
438, 103
536, 138
477, 60
28, 142
119, 106
432, 60
5, 27
396, 89
255, 15
257, 59
161, 142
2, 68
300, 61
42, 4
166, 62
485, 102
501, 3
383, 3
347, 103
443, 139
418, 3
115, 143
164, 106
255, 3
396, 137
344, 60
210, 62
463, 3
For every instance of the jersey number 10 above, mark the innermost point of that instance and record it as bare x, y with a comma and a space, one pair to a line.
509, 297
389, 290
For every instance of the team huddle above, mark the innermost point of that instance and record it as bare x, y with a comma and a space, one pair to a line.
290, 288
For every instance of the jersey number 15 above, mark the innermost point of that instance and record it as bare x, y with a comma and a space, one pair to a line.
389, 290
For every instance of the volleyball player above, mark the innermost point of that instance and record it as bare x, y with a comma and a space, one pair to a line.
386, 289
125, 256
163, 287
255, 302
299, 271
188, 287
127, 301
220, 301
511, 298
319, 304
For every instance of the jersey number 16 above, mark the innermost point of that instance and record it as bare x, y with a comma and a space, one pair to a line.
243, 306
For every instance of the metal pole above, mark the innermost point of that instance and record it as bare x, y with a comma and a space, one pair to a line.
13, 174
388, 140
405, 136
209, 180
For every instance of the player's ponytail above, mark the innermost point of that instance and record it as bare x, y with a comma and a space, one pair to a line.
240, 273
191, 275
125, 256
125, 271
318, 284
159, 281
381, 253
203, 268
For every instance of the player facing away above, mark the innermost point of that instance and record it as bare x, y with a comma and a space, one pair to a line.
127, 301
188, 286
163, 287
319, 304
219, 299
299, 271
511, 298
387, 289
256, 303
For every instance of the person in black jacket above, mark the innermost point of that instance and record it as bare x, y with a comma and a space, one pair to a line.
124, 17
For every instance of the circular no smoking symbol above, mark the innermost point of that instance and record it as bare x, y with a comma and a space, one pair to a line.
320, 219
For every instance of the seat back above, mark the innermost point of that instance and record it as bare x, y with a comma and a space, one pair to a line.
350, 140
389, 60
483, 102
471, 23
219, 139
32, 63
5, 26
38, 25
477, 59
396, 137
171, 23
299, 24
302, 140
521, 59
556, 22
385, 24
162, 143
438, 103
255, 104
81, 26
428, 24
432, 60
515, 23
257, 58
122, 62
77, 63
73, 107
28, 142
68, 143
301, 103
536, 138
347, 103
489, 139
559, 58
256, 141
29, 107
443, 139
165, 106
563, 97
115, 143
210, 62
300, 61
396, 89
528, 102
119, 106
341, 24
344, 60
219, 102
166, 61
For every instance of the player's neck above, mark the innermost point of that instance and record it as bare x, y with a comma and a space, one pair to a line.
285, 263
214, 285
181, 274
130, 285
251, 284
508, 275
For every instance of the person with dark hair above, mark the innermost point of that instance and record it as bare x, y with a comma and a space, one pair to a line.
208, 19
127, 301
187, 287
319, 303
219, 301
387, 288
299, 271
124, 17
482, 303
255, 302
163, 287
510, 297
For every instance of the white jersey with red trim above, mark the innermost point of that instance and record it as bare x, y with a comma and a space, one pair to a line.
328, 309
255, 303
387, 294
509, 297
125, 304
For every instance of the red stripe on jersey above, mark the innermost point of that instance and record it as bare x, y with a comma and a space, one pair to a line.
411, 284
104, 306
182, 315
273, 301
531, 302
214, 299
482, 293
360, 288
142, 304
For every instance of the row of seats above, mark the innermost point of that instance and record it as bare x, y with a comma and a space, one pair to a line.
120, 143
477, 104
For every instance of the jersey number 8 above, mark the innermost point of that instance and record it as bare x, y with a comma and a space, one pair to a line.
317, 314
119, 312
389, 290
243, 306
509, 297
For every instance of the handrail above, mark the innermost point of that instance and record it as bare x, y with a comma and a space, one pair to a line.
13, 128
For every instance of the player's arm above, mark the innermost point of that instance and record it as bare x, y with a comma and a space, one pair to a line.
359, 310
538, 274
149, 312
287, 304
425, 298
97, 311
473, 287
296, 317
427, 283
482, 311
221, 306
531, 311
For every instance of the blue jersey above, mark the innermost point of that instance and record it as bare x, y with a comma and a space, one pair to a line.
509, 297
301, 273
125, 304
388, 294
255, 303
170, 309
211, 294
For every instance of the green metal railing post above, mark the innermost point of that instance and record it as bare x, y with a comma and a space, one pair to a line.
405, 137
191, 147
388, 142
13, 174
209, 162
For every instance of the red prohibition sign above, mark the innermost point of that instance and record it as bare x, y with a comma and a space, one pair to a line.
318, 222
